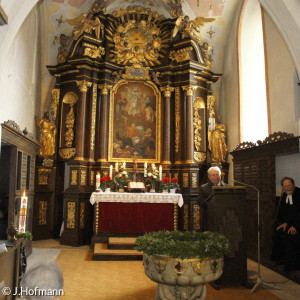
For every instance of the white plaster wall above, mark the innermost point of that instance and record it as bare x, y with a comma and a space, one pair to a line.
229, 89
19, 75
284, 106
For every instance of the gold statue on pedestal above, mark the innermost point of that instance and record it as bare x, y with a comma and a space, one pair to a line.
216, 142
47, 136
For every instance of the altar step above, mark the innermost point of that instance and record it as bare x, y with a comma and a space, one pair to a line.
117, 249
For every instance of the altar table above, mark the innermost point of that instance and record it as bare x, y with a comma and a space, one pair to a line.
135, 212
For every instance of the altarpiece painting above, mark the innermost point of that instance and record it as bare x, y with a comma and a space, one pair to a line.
134, 122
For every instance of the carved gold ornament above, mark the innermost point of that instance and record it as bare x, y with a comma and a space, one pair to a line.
74, 175
85, 23
67, 153
177, 118
167, 90
104, 88
198, 105
70, 98
137, 10
83, 85
175, 217
137, 72
42, 212
43, 174
211, 101
81, 215
82, 177
71, 214
194, 180
55, 100
196, 217
181, 54
93, 121
93, 51
207, 54
185, 179
136, 42
190, 28
199, 157
190, 89
186, 217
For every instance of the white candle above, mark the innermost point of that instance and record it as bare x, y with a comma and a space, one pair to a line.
23, 213
160, 172
145, 169
110, 171
117, 167
124, 164
98, 181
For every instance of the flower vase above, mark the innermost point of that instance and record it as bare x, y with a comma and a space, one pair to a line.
172, 191
152, 190
165, 191
107, 190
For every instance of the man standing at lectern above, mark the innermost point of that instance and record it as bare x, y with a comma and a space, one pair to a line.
286, 239
206, 191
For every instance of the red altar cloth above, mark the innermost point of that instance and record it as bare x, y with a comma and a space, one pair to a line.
115, 217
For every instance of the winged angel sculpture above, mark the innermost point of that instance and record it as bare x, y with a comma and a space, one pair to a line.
84, 23
188, 27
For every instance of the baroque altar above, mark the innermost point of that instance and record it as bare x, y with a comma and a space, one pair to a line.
131, 86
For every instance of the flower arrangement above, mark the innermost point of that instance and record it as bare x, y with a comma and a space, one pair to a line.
121, 176
106, 182
152, 175
183, 244
165, 183
174, 184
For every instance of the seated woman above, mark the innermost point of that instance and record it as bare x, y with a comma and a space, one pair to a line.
286, 239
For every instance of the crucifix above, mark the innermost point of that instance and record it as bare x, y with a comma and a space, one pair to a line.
134, 165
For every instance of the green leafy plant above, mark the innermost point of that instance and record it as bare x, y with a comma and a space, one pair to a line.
184, 244
24, 235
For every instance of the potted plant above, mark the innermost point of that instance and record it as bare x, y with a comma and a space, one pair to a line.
121, 177
106, 184
24, 235
174, 185
165, 184
182, 262
153, 176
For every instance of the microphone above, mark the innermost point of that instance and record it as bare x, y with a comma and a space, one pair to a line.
246, 184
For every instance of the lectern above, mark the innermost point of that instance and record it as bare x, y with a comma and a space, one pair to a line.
226, 215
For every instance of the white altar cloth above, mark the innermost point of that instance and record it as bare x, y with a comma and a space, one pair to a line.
136, 198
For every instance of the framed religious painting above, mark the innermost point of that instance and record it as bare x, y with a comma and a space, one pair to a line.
134, 132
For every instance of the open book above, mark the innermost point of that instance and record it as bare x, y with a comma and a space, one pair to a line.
136, 185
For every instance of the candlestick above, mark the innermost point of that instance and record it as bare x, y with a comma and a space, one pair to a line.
110, 171
160, 172
145, 169
98, 181
23, 213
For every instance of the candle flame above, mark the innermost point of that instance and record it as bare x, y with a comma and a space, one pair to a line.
24, 195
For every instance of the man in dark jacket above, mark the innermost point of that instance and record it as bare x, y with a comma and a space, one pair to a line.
286, 239
206, 191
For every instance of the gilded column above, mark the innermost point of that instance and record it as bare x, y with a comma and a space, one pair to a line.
104, 122
167, 124
189, 123
80, 120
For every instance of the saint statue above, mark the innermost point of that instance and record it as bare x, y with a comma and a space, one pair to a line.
47, 136
216, 140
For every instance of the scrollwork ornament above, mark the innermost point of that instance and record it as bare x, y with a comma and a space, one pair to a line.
199, 157
55, 100
92, 51
181, 54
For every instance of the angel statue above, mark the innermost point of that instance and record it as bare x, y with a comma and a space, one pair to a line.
84, 23
187, 27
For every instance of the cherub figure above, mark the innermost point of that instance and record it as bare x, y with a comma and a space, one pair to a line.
187, 27
85, 23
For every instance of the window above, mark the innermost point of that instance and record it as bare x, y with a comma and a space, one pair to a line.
252, 75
